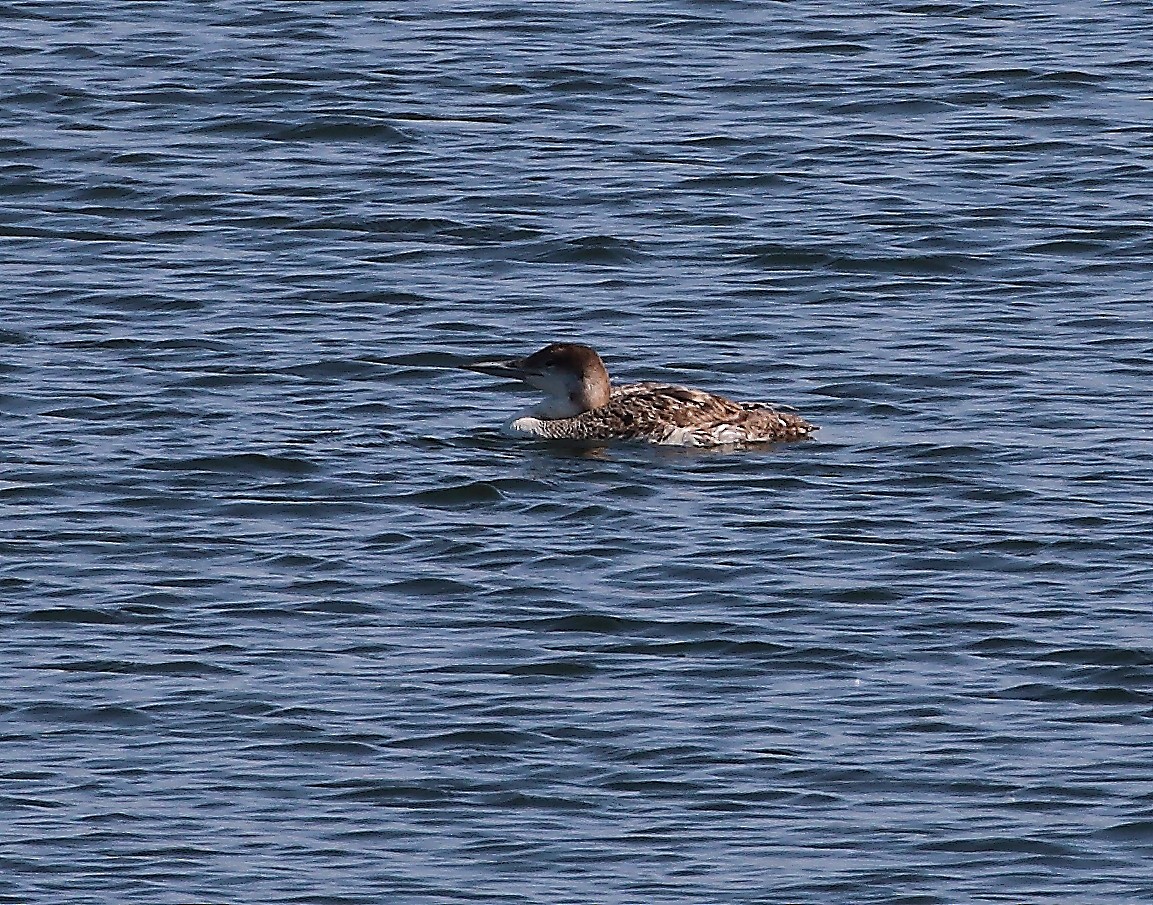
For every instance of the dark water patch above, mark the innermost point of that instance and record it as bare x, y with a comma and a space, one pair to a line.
590, 623
432, 587
432, 360
1067, 247
912, 264
395, 795
97, 412
399, 227
341, 607
20, 405
1098, 656
564, 669
592, 250
332, 369
389, 540
715, 648
244, 464
459, 496
733, 181
1071, 77
992, 646
20, 801
142, 345
1006, 845
128, 667
224, 379
294, 509
832, 48
1140, 831
156, 503
263, 611
74, 616
109, 715
478, 739
336, 748
865, 595
356, 130
775, 256
1106, 696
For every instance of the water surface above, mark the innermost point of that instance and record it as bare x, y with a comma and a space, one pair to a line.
287, 619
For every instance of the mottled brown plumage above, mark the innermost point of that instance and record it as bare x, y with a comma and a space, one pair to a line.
664, 413
581, 404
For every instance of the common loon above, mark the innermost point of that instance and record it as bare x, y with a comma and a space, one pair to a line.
581, 404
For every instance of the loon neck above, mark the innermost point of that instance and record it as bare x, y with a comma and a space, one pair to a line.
591, 392
594, 389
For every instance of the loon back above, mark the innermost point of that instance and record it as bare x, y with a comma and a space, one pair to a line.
671, 415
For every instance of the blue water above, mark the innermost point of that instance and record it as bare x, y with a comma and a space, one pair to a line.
286, 619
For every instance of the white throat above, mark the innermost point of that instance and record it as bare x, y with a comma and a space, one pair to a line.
555, 406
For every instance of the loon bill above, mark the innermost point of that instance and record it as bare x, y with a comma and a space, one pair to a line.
581, 404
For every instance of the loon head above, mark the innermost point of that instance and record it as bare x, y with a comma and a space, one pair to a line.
572, 377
